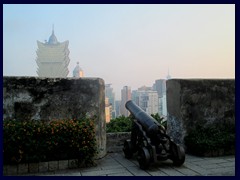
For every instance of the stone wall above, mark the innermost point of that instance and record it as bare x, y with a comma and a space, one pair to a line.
115, 141
205, 102
56, 98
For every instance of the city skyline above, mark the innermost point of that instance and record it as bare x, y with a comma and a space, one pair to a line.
126, 45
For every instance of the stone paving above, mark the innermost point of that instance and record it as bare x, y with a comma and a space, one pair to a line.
115, 164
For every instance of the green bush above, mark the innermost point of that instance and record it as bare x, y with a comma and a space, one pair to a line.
124, 124
120, 124
210, 141
37, 141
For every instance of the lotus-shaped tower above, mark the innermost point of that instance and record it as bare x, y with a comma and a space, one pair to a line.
52, 58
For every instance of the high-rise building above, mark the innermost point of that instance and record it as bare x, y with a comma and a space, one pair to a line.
117, 108
163, 101
52, 58
111, 98
125, 96
135, 96
108, 109
77, 72
160, 87
145, 88
148, 101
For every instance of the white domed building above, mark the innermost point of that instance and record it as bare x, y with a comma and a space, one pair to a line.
77, 72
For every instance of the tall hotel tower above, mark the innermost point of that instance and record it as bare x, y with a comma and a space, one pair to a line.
52, 58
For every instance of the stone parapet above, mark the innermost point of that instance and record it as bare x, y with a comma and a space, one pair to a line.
115, 141
45, 99
199, 102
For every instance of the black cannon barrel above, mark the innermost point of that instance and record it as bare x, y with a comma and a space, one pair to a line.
148, 122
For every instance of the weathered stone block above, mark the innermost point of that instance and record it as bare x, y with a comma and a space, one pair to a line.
63, 164
115, 141
72, 163
4, 170
22, 168
43, 166
33, 167
12, 170
53, 165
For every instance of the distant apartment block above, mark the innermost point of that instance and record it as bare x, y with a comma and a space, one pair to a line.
135, 96
108, 110
163, 105
111, 98
160, 87
117, 107
125, 96
147, 99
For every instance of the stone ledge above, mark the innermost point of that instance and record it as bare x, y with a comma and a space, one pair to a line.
21, 169
115, 141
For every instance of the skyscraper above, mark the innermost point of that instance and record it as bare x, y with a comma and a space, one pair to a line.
160, 87
135, 96
111, 97
117, 107
125, 96
52, 58
147, 99
108, 110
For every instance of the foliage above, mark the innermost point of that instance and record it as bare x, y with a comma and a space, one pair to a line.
124, 124
160, 120
203, 141
119, 124
36, 141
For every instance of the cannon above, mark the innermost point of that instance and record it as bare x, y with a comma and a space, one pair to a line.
149, 140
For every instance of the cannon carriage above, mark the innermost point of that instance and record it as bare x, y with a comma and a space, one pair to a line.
149, 140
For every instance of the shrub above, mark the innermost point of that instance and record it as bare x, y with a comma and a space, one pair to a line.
36, 141
210, 141
120, 124
124, 124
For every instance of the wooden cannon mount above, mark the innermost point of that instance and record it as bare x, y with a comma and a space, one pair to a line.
150, 141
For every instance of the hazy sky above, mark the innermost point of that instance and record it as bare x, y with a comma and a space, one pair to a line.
125, 44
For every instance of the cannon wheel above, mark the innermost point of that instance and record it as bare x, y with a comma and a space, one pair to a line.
127, 149
143, 158
178, 155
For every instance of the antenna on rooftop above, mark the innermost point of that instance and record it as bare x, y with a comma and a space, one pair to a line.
53, 28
